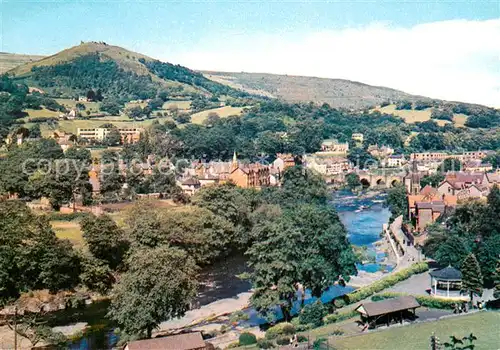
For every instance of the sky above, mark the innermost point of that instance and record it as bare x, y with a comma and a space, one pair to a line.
441, 49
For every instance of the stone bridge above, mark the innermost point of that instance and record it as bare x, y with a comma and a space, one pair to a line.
379, 179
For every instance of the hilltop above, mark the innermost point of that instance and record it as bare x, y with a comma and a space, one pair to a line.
9, 61
117, 72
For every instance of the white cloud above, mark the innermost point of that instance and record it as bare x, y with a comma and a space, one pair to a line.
453, 60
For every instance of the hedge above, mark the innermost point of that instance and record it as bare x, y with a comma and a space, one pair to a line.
432, 302
332, 318
389, 281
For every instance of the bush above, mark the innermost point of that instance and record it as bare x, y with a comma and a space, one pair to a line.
338, 303
283, 340
389, 281
233, 345
301, 338
432, 302
265, 344
313, 314
247, 339
403, 105
337, 317
283, 328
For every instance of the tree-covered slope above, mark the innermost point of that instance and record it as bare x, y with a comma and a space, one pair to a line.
117, 72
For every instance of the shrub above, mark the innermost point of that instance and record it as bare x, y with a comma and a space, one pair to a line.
389, 281
301, 338
337, 332
313, 314
403, 105
265, 344
338, 303
233, 345
333, 318
247, 339
283, 340
283, 328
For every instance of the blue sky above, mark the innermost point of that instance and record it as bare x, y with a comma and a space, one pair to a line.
259, 35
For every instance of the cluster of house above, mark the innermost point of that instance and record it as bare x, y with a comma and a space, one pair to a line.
469, 161
426, 205
245, 175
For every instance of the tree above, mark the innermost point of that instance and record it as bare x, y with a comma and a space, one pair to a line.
397, 200
307, 245
104, 239
496, 291
472, 279
32, 257
352, 180
113, 137
360, 158
451, 164
159, 285
96, 274
91, 95
432, 180
452, 251
111, 106
300, 184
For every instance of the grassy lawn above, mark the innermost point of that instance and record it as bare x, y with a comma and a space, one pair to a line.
484, 325
223, 112
68, 230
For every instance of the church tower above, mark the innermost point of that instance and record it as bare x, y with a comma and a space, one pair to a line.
234, 164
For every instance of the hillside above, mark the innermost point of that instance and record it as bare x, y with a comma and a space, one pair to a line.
9, 61
336, 92
117, 73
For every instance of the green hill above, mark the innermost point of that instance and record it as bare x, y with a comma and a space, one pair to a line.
117, 73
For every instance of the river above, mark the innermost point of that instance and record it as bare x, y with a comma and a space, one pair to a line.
363, 216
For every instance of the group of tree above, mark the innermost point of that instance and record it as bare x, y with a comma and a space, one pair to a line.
40, 169
293, 239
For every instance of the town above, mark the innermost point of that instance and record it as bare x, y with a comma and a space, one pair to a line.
249, 175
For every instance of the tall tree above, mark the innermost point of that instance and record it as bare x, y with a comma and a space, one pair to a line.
306, 246
31, 256
159, 285
397, 200
104, 239
472, 279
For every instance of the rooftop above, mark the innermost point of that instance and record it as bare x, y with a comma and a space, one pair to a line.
447, 274
388, 306
187, 341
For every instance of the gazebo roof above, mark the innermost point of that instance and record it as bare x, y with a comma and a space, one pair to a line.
447, 274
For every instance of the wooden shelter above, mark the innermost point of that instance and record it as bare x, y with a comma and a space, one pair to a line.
387, 311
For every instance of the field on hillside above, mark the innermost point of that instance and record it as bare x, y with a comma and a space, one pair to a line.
484, 325
41, 113
223, 112
70, 103
182, 105
413, 116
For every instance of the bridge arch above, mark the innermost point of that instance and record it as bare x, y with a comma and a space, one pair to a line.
365, 182
395, 182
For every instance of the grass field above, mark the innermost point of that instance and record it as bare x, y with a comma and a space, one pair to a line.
484, 325
223, 112
41, 113
69, 103
412, 116
68, 230
182, 105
